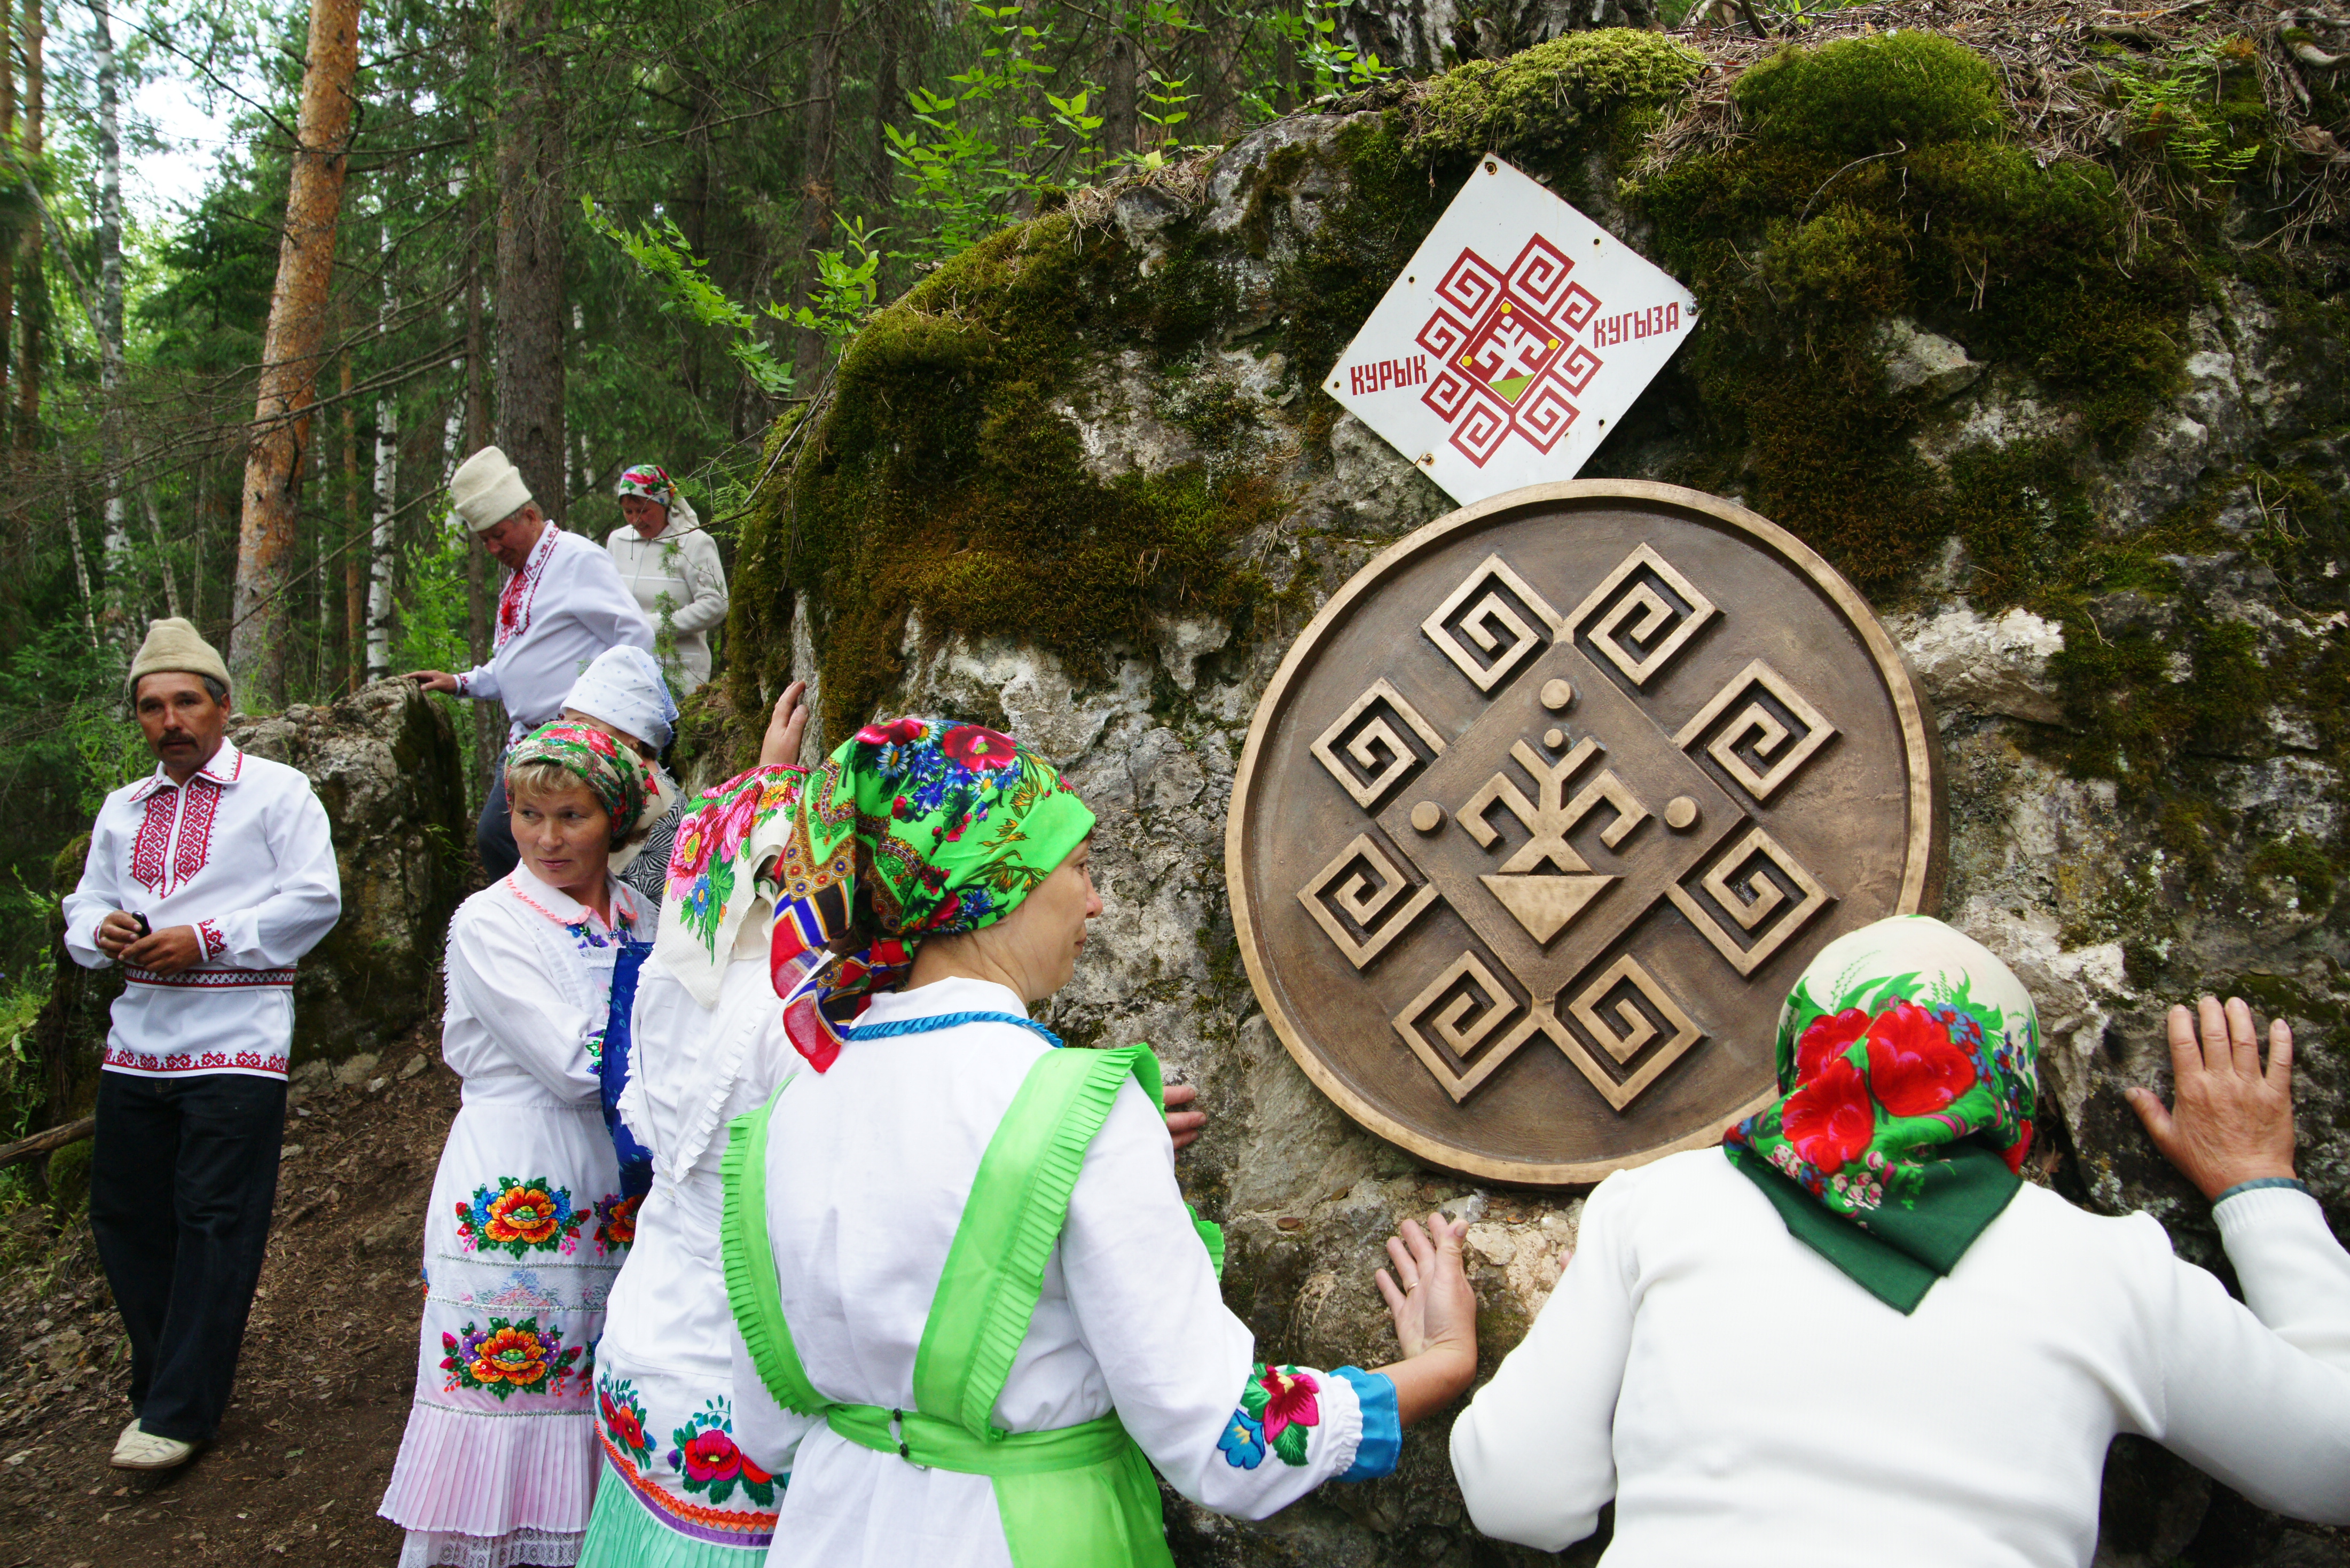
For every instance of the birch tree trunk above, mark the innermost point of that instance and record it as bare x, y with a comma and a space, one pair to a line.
28, 354
531, 151
260, 614
817, 194
121, 599
488, 729
7, 258
354, 564
387, 496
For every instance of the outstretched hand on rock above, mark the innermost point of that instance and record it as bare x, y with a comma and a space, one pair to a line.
1435, 1315
2232, 1121
780, 746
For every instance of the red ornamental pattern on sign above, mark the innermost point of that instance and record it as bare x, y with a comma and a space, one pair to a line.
1505, 343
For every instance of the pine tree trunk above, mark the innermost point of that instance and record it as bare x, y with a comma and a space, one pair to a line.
888, 106
530, 150
28, 355
817, 195
121, 601
260, 614
1118, 124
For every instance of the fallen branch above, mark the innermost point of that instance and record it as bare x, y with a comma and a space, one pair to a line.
42, 1143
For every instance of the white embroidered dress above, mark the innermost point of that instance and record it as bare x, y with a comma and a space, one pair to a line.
564, 606
522, 1238
868, 1168
242, 852
664, 1371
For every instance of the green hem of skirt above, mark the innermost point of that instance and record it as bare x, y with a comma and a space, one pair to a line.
623, 1534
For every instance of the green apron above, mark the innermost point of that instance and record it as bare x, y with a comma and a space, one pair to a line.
1077, 1497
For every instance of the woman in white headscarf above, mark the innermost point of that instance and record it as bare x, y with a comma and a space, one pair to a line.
622, 693
669, 561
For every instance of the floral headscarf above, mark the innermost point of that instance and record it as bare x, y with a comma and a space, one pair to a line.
654, 484
912, 829
612, 774
1906, 1055
648, 479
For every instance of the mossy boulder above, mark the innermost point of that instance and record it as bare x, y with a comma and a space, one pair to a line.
1084, 482
386, 767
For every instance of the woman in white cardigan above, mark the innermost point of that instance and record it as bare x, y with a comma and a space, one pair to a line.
1854, 1336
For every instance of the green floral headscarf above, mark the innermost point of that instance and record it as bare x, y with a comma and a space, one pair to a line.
612, 774
911, 829
1906, 1053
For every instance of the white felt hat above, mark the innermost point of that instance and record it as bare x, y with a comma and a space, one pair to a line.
487, 490
175, 645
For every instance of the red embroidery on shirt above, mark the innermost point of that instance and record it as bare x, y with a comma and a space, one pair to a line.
196, 829
269, 1062
214, 941
521, 588
147, 863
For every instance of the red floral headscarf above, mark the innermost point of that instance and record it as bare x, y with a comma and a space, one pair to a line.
1907, 1056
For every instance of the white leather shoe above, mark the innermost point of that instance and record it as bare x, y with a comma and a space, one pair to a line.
142, 1450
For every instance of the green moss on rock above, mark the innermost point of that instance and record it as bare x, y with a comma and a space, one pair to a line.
1554, 95
1878, 183
945, 479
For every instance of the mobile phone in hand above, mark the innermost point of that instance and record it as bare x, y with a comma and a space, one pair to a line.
144, 929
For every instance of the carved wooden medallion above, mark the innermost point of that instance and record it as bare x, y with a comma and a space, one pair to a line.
1548, 807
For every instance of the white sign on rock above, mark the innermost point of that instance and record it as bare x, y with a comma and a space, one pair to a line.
1517, 335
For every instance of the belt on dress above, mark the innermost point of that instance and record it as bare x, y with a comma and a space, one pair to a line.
214, 979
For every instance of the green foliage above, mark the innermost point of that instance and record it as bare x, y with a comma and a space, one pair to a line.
2202, 111
664, 255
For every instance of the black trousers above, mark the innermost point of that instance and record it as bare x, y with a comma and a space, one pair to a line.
182, 1179
494, 834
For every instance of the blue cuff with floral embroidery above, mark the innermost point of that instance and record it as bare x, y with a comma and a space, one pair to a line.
1382, 1439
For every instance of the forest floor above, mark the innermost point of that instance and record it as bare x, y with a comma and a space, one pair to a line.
323, 1386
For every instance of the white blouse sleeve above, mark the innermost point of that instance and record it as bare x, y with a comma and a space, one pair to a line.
499, 975
1228, 1432
1534, 1451
705, 584
96, 896
2259, 1395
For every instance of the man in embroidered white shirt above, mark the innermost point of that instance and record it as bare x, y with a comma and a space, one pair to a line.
562, 605
207, 881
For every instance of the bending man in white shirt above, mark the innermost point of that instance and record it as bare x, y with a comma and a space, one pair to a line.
562, 605
207, 880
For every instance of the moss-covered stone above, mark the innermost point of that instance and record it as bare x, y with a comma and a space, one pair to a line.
946, 476
1558, 95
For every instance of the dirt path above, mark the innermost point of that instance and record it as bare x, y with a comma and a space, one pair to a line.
322, 1389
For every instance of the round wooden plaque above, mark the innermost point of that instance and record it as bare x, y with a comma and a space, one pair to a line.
1547, 808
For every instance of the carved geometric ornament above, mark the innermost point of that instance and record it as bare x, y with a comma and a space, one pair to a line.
1522, 889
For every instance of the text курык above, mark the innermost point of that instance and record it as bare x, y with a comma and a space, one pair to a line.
1382, 374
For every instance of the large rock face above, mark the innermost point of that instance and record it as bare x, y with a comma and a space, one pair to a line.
386, 765
1081, 484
